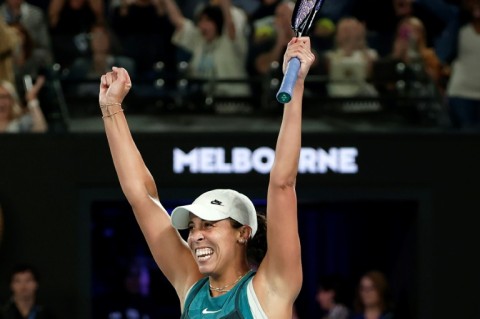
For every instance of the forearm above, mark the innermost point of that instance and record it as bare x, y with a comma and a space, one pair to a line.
174, 14
226, 5
39, 123
287, 151
135, 179
54, 11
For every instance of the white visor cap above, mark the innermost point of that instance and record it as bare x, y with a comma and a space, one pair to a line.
216, 205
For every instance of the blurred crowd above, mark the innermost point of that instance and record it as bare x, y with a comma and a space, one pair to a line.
416, 57
371, 298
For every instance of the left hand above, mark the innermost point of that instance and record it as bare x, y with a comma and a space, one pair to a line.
301, 49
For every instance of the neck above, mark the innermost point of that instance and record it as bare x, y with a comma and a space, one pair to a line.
217, 289
24, 305
372, 312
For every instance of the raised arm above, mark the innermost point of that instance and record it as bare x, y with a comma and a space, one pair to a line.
40, 124
279, 277
174, 13
226, 6
168, 248
54, 9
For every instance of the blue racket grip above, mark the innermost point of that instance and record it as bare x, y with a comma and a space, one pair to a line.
284, 94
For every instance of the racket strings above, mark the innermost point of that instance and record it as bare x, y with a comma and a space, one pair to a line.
302, 15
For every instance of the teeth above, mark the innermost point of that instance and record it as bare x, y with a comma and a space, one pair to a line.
203, 252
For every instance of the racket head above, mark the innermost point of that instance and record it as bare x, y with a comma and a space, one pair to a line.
303, 15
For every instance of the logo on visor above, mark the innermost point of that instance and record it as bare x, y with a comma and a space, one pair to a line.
216, 202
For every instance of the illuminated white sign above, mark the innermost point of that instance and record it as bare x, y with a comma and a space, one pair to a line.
242, 160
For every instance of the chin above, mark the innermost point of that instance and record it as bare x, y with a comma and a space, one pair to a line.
206, 268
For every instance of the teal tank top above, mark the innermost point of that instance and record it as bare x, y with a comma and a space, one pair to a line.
231, 305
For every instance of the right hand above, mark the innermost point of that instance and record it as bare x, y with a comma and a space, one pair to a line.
114, 86
33, 92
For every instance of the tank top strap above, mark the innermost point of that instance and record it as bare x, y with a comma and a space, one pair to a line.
191, 295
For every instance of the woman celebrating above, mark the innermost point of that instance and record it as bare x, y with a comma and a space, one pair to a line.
211, 272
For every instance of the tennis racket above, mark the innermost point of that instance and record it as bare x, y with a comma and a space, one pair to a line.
302, 18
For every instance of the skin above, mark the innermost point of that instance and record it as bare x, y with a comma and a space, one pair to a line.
24, 288
326, 299
279, 276
284, 33
370, 298
6, 107
207, 27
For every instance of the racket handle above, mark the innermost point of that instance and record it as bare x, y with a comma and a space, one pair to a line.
284, 94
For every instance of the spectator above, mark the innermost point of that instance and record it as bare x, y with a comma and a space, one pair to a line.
217, 43
372, 300
32, 18
413, 70
411, 43
381, 28
270, 40
349, 65
85, 71
331, 299
8, 42
24, 284
15, 119
28, 61
463, 87
70, 22
144, 32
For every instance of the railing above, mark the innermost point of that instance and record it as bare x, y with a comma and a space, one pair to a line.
416, 102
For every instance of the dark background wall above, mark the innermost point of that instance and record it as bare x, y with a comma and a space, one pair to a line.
46, 182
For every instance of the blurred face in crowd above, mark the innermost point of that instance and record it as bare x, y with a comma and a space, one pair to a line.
326, 299
369, 293
207, 27
6, 103
350, 34
402, 7
100, 41
24, 285
15, 4
473, 6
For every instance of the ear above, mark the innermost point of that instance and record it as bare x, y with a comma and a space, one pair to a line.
244, 234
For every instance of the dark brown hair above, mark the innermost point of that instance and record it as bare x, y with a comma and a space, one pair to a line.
256, 246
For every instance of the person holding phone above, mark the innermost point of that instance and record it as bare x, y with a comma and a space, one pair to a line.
14, 118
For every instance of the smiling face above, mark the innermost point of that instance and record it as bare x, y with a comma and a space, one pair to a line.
214, 244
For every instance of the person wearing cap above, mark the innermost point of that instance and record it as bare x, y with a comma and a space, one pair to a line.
210, 271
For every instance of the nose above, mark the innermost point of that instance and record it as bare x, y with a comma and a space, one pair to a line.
196, 235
